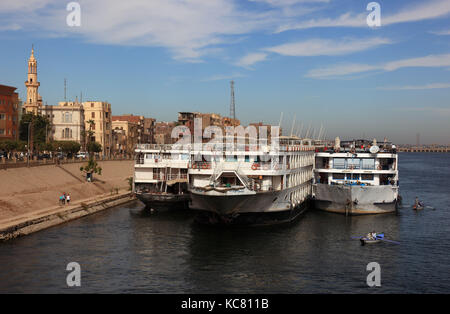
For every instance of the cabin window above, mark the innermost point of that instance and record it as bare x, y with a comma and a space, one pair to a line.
339, 163
352, 176
338, 176
368, 163
367, 177
247, 158
353, 163
231, 158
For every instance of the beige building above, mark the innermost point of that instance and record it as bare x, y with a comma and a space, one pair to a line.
67, 121
97, 118
33, 102
125, 136
163, 132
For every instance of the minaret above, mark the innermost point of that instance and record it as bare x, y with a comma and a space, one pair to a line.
33, 100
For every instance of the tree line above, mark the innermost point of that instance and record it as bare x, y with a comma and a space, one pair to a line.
35, 129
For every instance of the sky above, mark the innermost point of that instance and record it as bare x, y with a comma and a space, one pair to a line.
317, 62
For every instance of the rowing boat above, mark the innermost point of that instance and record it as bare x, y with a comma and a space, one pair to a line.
377, 239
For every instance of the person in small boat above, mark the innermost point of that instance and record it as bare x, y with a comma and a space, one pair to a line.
371, 235
418, 203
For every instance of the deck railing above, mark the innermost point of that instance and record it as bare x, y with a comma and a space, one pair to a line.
237, 147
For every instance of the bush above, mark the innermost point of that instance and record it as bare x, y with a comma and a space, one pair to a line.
68, 147
94, 147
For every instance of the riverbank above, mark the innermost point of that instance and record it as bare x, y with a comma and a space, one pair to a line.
38, 220
29, 197
26, 190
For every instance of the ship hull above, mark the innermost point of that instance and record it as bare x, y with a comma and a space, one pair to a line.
256, 209
356, 200
164, 201
225, 204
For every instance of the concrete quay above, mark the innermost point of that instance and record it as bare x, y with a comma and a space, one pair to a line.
29, 223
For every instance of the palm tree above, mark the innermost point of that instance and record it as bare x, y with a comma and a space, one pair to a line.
88, 135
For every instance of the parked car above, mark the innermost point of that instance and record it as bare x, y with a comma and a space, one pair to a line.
83, 155
43, 156
60, 155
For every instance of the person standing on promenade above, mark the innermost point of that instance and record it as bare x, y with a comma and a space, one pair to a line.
68, 198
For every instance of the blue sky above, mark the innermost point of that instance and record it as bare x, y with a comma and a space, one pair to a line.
315, 59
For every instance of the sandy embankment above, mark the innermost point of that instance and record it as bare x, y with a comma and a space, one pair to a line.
25, 190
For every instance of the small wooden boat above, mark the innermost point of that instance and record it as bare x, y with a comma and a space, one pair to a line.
378, 238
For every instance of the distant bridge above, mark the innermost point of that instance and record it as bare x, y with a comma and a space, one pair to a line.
424, 149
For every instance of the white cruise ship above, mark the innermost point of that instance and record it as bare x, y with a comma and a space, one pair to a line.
240, 187
161, 176
356, 177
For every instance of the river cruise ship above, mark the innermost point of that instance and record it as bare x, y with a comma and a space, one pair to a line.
161, 176
265, 185
356, 177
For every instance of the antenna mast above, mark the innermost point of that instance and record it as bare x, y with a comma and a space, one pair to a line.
232, 104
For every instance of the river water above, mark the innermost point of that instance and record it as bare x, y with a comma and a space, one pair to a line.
125, 249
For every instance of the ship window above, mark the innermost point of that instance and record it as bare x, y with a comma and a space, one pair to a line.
338, 176
367, 177
352, 176
368, 163
353, 163
339, 163
247, 158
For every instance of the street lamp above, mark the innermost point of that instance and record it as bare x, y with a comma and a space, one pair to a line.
28, 146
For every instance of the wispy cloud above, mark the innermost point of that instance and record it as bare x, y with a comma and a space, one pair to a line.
433, 110
417, 87
284, 3
220, 77
321, 47
444, 32
423, 11
340, 70
348, 69
427, 61
10, 27
248, 60
190, 29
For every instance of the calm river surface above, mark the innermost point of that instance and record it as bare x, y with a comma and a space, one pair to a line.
126, 250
